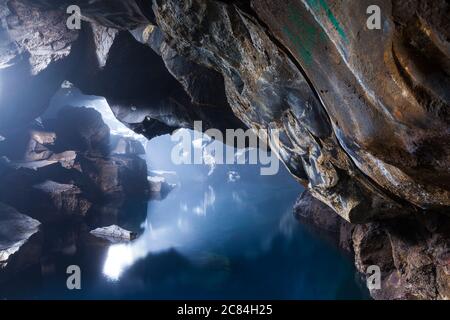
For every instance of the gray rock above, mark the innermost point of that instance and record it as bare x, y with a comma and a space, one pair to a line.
413, 256
15, 230
56, 199
125, 145
114, 233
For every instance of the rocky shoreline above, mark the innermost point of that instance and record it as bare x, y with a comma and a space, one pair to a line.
412, 253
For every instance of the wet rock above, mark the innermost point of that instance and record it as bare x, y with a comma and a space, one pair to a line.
17, 249
125, 145
312, 211
35, 50
412, 255
131, 69
54, 199
81, 129
114, 234
159, 187
266, 89
116, 175
384, 81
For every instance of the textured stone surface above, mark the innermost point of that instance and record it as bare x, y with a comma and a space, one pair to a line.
116, 175
386, 92
412, 253
51, 199
114, 234
355, 133
34, 58
144, 95
15, 230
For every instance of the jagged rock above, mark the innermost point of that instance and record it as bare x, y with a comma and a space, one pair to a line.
103, 38
54, 199
362, 114
131, 69
412, 253
116, 175
413, 257
266, 89
124, 145
114, 234
314, 212
34, 51
385, 81
16, 247
354, 129
116, 14
159, 187
41, 33
81, 129
28, 145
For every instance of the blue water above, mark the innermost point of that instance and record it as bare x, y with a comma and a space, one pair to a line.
223, 233
209, 239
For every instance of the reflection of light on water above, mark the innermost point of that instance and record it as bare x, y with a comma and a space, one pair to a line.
209, 199
118, 259
122, 256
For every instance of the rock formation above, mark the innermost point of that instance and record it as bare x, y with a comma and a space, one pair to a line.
359, 116
412, 252
19, 240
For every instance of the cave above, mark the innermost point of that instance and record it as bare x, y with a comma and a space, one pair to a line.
103, 165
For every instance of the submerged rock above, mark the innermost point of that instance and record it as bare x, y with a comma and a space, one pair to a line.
114, 233
16, 229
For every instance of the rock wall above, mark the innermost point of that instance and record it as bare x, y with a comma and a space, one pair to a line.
412, 252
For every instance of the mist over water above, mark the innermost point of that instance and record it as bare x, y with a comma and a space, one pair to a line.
224, 232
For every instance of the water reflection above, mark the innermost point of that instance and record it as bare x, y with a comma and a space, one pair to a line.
212, 238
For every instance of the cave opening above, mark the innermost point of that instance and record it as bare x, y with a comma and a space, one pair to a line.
203, 230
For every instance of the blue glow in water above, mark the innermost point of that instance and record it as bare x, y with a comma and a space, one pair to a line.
228, 234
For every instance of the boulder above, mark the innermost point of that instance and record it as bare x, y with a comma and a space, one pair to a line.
52, 199
114, 233
80, 129
116, 175
19, 247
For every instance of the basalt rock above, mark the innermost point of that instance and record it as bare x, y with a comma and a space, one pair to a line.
117, 14
352, 112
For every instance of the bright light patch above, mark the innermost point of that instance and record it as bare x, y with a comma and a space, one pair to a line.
119, 258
